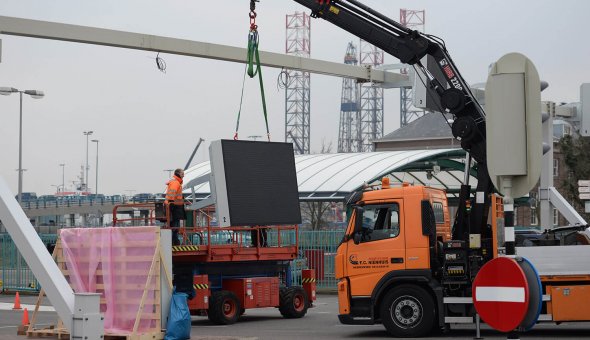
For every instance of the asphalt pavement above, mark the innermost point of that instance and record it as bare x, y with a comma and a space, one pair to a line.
321, 322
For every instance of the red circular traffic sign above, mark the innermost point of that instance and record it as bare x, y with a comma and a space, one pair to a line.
501, 294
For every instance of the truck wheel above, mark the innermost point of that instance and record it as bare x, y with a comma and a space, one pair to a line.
224, 308
293, 303
408, 311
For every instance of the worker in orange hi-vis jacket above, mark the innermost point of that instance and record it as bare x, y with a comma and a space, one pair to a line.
175, 203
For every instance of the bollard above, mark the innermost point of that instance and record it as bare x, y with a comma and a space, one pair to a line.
308, 282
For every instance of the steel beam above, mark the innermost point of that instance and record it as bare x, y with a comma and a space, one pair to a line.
137, 41
38, 258
563, 206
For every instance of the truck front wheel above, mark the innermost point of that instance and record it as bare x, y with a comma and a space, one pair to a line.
408, 311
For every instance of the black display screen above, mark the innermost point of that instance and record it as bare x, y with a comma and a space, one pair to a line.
261, 183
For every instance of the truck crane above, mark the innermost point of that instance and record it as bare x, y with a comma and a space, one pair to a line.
400, 263
452, 93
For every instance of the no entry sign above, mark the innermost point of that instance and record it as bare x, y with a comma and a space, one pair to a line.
501, 294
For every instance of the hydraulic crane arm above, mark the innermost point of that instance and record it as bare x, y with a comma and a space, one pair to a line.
451, 90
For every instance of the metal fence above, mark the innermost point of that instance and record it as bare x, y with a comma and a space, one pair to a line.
317, 250
15, 273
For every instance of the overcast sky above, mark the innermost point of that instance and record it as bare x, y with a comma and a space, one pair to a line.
148, 121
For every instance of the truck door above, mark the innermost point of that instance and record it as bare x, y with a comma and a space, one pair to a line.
377, 249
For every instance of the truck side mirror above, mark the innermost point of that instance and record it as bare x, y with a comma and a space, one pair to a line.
428, 219
358, 219
355, 235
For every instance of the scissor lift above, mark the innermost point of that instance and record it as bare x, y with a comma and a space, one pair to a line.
226, 270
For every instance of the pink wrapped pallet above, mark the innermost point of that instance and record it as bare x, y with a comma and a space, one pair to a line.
123, 264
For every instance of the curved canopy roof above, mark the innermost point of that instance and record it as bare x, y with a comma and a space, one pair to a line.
330, 177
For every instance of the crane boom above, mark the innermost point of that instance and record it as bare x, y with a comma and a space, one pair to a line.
451, 91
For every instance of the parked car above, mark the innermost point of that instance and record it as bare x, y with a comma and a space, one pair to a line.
569, 235
47, 198
116, 198
527, 237
27, 197
142, 198
96, 197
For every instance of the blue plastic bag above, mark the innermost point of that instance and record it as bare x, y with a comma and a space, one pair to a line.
179, 319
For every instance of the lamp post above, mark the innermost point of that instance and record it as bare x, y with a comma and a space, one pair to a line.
130, 191
85, 184
36, 94
96, 186
169, 172
63, 177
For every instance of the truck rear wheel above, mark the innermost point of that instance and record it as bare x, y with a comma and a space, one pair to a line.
224, 308
293, 302
408, 311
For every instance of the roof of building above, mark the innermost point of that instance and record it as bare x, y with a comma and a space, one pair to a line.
334, 176
430, 126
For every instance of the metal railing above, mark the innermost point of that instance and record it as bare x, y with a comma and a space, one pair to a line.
15, 273
317, 250
69, 202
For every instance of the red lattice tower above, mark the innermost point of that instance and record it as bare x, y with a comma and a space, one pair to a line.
297, 91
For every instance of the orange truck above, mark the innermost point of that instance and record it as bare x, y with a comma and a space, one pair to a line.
400, 261
397, 265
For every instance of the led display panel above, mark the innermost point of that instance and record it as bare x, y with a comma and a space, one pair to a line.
254, 183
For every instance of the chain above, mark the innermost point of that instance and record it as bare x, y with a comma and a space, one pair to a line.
253, 26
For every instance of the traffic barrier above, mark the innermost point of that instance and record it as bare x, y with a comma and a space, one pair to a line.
17, 302
25, 320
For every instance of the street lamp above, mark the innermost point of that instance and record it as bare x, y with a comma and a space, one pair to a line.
169, 172
85, 184
63, 177
36, 95
130, 191
96, 186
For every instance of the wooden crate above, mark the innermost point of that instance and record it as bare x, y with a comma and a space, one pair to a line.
57, 333
127, 292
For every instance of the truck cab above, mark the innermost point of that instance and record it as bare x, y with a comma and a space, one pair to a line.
392, 239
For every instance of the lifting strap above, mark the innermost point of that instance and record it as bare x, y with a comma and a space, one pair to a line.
253, 57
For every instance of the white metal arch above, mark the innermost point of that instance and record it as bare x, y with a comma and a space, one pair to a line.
333, 176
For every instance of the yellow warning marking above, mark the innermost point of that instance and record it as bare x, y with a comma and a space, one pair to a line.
334, 10
185, 248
